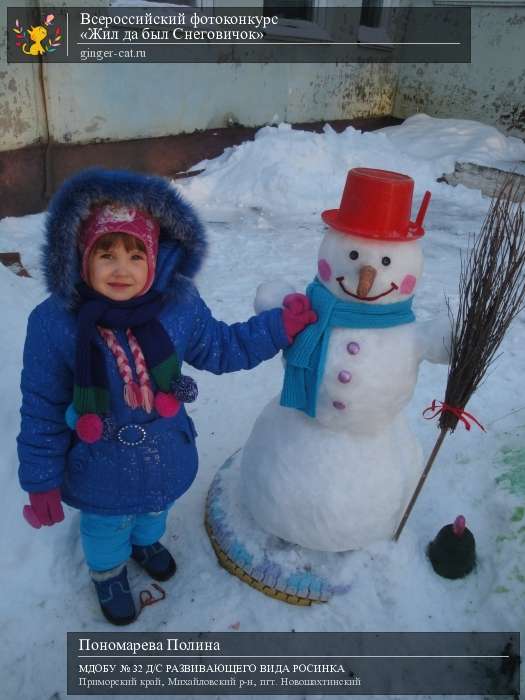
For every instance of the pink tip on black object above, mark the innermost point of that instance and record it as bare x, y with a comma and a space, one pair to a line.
453, 552
459, 526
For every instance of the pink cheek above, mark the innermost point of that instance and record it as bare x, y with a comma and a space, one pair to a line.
325, 271
408, 284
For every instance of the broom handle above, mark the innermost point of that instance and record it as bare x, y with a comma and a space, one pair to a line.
421, 481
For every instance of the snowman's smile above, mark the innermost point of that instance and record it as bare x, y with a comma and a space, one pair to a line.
393, 287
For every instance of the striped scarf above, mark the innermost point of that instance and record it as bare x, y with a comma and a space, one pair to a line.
135, 395
153, 351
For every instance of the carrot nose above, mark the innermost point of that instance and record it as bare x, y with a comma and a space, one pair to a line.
367, 275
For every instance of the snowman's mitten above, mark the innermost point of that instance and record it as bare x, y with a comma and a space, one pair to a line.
46, 508
297, 314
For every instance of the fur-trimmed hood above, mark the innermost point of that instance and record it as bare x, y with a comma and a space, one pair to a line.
182, 243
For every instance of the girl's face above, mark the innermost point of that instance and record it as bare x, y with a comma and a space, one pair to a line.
117, 273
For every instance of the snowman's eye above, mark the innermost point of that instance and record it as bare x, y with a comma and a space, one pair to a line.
353, 255
386, 261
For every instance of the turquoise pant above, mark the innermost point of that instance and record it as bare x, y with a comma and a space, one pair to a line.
107, 539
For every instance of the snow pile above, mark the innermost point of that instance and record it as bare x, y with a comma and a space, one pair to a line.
446, 141
24, 235
298, 174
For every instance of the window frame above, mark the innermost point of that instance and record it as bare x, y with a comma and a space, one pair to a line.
373, 37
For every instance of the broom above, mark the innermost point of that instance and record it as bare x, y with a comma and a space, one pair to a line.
491, 294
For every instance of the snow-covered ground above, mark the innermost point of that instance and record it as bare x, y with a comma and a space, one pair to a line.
261, 202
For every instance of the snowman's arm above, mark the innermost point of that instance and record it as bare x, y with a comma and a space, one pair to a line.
270, 295
434, 340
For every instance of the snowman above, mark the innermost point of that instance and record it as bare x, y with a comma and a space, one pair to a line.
332, 462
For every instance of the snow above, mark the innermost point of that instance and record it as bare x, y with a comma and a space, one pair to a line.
329, 490
298, 174
262, 202
454, 140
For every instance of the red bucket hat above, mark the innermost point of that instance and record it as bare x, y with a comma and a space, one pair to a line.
118, 218
377, 204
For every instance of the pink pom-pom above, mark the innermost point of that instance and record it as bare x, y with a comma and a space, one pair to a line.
89, 427
166, 405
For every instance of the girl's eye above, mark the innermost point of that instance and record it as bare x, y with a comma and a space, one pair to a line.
353, 255
386, 261
138, 256
106, 256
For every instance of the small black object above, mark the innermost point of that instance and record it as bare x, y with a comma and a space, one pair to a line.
453, 552
109, 427
185, 388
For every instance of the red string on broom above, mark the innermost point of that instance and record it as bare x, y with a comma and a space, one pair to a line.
439, 407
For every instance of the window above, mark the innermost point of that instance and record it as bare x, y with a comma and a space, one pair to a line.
375, 24
298, 20
289, 9
371, 11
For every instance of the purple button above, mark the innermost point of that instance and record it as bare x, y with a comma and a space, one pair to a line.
353, 348
339, 405
344, 376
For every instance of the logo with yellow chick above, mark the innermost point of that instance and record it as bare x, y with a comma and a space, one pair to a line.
37, 41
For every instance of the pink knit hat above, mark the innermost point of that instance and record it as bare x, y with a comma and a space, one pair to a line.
118, 218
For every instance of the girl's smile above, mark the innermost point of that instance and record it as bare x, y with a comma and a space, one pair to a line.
117, 273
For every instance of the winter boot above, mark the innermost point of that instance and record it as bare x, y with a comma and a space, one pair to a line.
155, 559
114, 596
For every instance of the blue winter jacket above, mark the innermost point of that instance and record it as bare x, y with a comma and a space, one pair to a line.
145, 462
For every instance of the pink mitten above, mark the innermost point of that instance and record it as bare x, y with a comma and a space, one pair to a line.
297, 314
45, 508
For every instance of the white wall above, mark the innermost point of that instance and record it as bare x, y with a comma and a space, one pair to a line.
490, 89
94, 102
22, 121
87, 102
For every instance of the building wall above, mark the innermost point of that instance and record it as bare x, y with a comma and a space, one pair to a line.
342, 91
89, 102
490, 89
86, 103
22, 120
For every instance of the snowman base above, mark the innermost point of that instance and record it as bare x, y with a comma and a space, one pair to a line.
277, 568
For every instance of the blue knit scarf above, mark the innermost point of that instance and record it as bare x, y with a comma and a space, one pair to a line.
305, 359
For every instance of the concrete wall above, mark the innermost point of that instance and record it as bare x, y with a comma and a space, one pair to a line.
342, 91
490, 89
22, 120
88, 102
92, 102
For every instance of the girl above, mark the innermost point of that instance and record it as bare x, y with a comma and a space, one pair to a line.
104, 427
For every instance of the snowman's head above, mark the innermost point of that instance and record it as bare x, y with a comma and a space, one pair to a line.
355, 268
